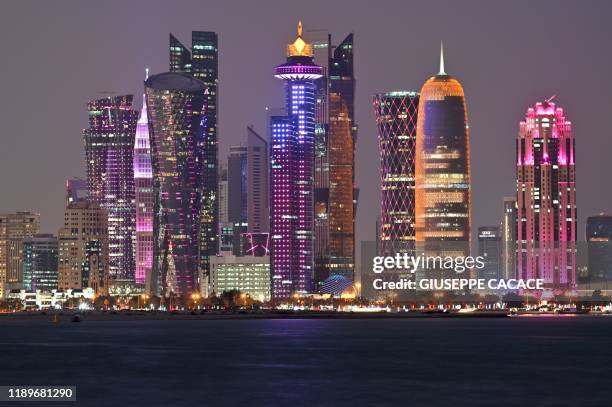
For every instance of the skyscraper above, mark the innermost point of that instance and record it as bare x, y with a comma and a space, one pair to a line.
144, 198
335, 137
599, 243
76, 189
258, 216
292, 173
175, 103
546, 197
396, 120
14, 228
85, 226
442, 167
40, 262
202, 63
508, 237
237, 185
109, 150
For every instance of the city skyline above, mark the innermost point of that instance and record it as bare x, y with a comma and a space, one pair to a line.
466, 55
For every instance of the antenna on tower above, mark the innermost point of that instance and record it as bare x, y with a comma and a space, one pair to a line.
550, 99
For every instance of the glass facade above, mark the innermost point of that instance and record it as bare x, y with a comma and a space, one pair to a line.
202, 63
40, 263
109, 151
599, 238
175, 103
292, 174
546, 198
396, 119
442, 166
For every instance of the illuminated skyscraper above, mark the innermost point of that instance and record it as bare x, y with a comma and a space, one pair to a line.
175, 102
144, 198
40, 262
202, 63
396, 120
508, 237
546, 197
442, 164
599, 244
489, 247
14, 228
109, 150
335, 137
292, 173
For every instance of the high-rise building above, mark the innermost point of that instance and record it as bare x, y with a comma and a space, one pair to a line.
258, 216
223, 191
292, 173
599, 243
546, 197
237, 185
85, 227
202, 63
76, 190
335, 194
14, 228
396, 120
442, 167
40, 262
489, 247
109, 150
175, 102
508, 237
144, 198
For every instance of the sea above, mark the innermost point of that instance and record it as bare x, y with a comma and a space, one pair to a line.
516, 361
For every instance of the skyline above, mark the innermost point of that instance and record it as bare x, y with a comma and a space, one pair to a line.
490, 123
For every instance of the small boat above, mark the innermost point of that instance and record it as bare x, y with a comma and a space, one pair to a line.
76, 318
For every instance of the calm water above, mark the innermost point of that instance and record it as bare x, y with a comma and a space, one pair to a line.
537, 361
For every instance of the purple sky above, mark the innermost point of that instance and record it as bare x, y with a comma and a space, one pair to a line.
507, 55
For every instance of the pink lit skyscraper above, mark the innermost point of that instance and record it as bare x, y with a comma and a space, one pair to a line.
546, 198
143, 189
292, 174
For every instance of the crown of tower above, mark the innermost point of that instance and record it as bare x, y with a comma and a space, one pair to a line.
300, 48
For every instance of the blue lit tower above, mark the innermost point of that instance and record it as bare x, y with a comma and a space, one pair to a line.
292, 173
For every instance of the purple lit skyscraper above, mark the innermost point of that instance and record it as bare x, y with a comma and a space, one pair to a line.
109, 150
143, 189
292, 174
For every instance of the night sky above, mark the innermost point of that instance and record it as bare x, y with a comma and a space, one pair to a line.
508, 55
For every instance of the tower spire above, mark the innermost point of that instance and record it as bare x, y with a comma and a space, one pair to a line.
441, 59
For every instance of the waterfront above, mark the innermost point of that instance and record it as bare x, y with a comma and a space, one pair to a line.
538, 360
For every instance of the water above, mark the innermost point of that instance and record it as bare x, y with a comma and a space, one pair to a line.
537, 361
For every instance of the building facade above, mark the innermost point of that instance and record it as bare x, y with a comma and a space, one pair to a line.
40, 262
258, 213
109, 151
546, 198
85, 226
396, 120
292, 174
14, 228
599, 243
490, 248
202, 63
175, 103
144, 199
237, 193
508, 237
443, 208
248, 274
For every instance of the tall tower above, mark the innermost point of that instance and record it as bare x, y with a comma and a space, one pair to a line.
546, 197
442, 164
257, 182
292, 173
175, 102
109, 150
237, 185
396, 121
202, 63
335, 138
508, 238
144, 197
